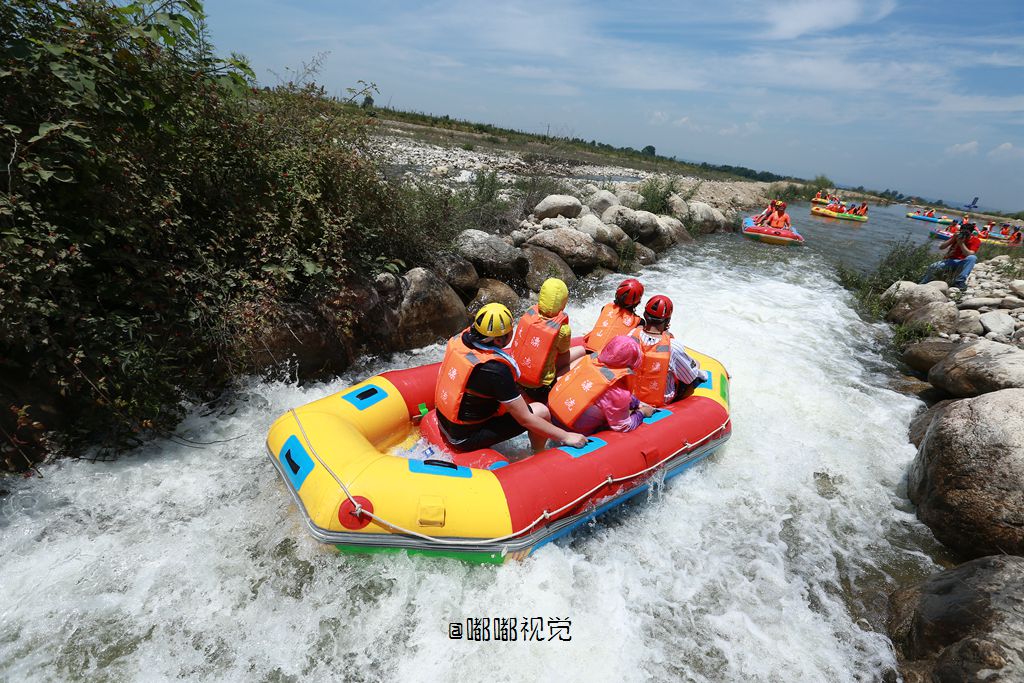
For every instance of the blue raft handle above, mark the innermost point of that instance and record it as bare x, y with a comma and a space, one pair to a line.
441, 463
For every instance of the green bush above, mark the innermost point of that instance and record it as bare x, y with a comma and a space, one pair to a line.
160, 212
904, 261
656, 195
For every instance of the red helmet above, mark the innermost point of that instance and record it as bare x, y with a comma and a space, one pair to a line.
629, 293
658, 307
781, 205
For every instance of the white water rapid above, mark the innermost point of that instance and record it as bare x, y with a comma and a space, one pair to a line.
769, 561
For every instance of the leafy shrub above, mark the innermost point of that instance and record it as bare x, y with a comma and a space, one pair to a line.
904, 261
655, 195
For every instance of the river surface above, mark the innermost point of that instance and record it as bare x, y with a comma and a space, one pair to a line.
768, 562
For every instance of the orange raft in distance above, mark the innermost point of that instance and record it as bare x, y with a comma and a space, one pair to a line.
763, 233
335, 457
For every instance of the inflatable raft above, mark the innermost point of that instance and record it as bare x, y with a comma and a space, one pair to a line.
760, 233
945, 220
818, 211
335, 456
818, 200
940, 234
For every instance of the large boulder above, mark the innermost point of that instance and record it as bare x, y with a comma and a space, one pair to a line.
601, 200
430, 310
677, 205
630, 198
557, 205
579, 250
543, 264
607, 258
644, 255
1017, 287
979, 368
675, 227
640, 225
617, 215
490, 254
940, 315
922, 355
997, 322
706, 218
593, 226
458, 273
968, 477
969, 322
491, 291
962, 624
922, 421
905, 297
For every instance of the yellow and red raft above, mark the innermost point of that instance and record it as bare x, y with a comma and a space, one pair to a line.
340, 457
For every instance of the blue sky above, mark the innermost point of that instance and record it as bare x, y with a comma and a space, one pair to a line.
924, 97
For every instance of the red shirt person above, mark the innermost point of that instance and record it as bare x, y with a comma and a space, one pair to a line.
960, 250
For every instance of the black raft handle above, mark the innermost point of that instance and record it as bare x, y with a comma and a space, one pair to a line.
441, 463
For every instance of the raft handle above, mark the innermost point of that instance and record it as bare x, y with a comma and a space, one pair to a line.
441, 463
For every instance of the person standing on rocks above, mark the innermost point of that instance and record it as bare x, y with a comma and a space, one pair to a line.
478, 402
960, 250
617, 317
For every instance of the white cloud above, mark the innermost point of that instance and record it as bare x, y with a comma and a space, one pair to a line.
658, 118
963, 148
1006, 152
794, 18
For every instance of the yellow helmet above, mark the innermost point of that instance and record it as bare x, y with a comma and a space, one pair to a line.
493, 320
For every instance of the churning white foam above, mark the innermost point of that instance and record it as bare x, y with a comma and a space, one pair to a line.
766, 562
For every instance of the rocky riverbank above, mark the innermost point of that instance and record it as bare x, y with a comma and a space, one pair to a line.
967, 480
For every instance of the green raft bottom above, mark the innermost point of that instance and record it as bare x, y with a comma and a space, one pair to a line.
464, 556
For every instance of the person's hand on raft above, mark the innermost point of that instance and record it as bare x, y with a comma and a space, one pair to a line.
646, 410
575, 440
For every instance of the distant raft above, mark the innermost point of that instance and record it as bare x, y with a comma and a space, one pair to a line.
940, 234
763, 233
818, 211
819, 200
336, 458
945, 220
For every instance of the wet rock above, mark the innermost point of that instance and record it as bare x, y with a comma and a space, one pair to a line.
490, 291
705, 218
675, 227
997, 323
644, 256
639, 225
430, 310
906, 297
979, 368
962, 624
543, 264
920, 423
458, 273
968, 476
489, 254
601, 200
558, 205
607, 258
579, 250
618, 235
922, 355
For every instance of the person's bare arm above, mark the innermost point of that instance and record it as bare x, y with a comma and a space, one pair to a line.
534, 423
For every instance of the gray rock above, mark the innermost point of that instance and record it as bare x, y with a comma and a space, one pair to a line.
978, 302
618, 235
607, 258
962, 624
997, 322
457, 272
592, 225
968, 477
705, 218
430, 310
644, 255
543, 264
968, 323
601, 200
490, 291
922, 355
553, 223
617, 215
679, 207
557, 205
920, 422
905, 297
630, 198
940, 285
680, 235
1011, 302
489, 254
520, 236
579, 250
979, 368
941, 315
640, 225
1017, 287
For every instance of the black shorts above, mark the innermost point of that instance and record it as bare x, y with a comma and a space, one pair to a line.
538, 394
494, 430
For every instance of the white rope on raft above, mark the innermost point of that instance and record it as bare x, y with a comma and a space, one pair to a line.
547, 514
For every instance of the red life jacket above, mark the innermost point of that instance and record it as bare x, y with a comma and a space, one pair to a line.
459, 361
613, 321
779, 220
649, 382
533, 344
578, 389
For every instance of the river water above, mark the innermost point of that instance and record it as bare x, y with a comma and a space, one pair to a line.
769, 561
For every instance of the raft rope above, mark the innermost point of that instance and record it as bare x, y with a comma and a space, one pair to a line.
547, 514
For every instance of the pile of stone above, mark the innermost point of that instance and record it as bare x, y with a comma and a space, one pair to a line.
967, 479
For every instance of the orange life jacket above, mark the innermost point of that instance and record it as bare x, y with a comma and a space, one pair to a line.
1004, 231
649, 382
817, 195
778, 220
459, 361
930, 214
984, 233
613, 321
578, 389
533, 343
1016, 239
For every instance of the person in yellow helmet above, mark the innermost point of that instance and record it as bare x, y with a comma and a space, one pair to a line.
543, 340
478, 403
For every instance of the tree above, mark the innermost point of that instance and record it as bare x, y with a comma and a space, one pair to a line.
367, 102
648, 151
